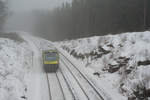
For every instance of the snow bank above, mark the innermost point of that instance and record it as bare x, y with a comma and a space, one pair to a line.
120, 63
15, 63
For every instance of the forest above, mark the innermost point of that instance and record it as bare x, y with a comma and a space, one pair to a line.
3, 13
83, 18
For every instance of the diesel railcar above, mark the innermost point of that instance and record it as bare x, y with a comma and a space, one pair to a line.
50, 61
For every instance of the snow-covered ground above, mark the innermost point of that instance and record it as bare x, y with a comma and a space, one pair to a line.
21, 73
38, 86
118, 64
15, 64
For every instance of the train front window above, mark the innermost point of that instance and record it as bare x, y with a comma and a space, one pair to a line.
51, 56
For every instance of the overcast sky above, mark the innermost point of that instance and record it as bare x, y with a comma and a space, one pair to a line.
28, 5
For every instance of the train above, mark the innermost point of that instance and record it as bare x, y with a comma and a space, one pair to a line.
50, 60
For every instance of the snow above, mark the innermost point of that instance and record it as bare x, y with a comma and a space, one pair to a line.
21, 73
112, 61
66, 90
56, 91
90, 92
15, 64
38, 82
118, 65
77, 91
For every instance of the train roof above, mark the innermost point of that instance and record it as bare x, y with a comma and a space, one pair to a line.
50, 50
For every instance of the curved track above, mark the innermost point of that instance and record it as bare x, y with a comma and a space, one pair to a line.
84, 83
68, 93
69, 83
88, 86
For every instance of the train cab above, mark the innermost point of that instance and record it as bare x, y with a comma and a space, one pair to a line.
50, 61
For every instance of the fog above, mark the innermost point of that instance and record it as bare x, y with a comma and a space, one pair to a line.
80, 18
21, 16
28, 5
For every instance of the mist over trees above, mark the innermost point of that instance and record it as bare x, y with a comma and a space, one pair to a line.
92, 17
3, 13
147, 17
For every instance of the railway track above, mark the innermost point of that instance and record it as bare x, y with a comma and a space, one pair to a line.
55, 88
88, 89
68, 91
80, 76
79, 85
70, 85
49, 87
59, 88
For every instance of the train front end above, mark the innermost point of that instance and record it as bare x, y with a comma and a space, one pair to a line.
50, 61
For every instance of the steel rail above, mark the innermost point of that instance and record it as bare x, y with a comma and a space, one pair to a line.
85, 77
70, 88
49, 87
76, 80
60, 86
